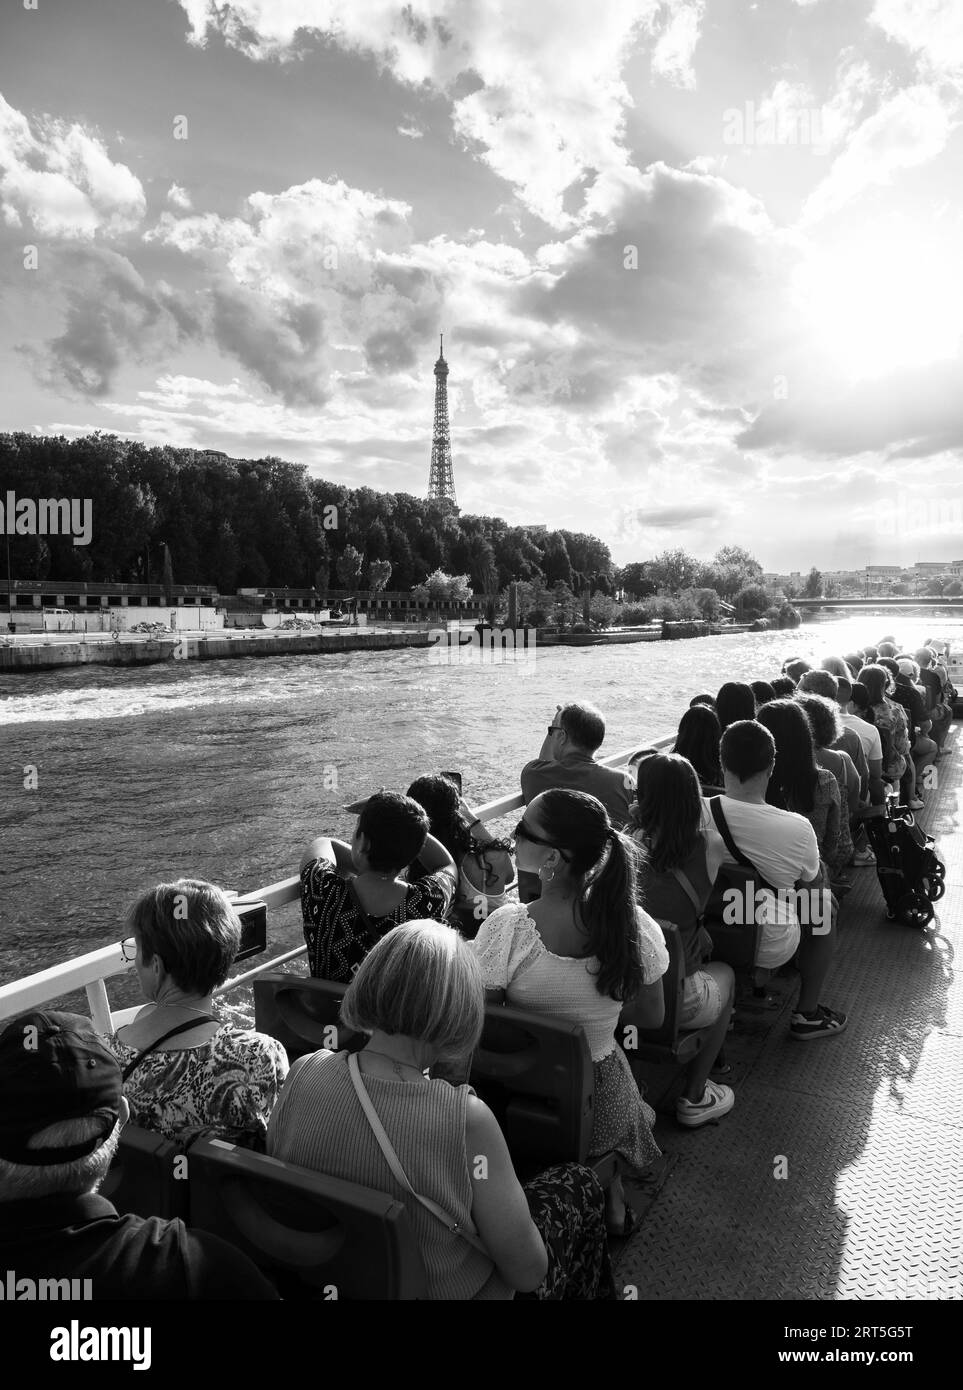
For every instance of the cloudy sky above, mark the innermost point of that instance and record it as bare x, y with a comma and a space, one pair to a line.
698, 262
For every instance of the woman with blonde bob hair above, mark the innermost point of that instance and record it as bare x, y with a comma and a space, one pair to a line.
418, 995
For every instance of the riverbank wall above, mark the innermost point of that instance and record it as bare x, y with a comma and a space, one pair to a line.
25, 656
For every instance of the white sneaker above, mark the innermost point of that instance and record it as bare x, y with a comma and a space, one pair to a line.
716, 1101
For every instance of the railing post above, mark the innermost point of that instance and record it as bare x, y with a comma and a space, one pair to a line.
99, 1006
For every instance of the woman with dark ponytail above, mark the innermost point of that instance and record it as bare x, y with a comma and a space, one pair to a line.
580, 952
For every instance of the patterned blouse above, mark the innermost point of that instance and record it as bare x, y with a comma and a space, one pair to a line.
890, 720
224, 1089
338, 931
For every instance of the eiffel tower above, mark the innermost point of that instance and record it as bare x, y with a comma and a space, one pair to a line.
441, 480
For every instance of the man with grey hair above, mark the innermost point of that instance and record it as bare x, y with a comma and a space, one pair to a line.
63, 1110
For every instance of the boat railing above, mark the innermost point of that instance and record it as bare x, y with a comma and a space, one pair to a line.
91, 972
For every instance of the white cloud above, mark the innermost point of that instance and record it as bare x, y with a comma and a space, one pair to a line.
410, 132
909, 129
672, 56
932, 29
179, 197
549, 104
62, 180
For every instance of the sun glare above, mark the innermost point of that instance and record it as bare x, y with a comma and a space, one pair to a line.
891, 299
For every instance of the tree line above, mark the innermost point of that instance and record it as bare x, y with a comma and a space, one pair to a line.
246, 523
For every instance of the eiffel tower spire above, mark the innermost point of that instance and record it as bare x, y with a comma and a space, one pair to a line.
441, 480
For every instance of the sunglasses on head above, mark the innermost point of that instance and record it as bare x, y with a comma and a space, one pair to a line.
522, 832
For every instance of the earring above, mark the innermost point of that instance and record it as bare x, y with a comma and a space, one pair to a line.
546, 878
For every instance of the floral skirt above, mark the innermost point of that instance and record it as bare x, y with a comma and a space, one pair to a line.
623, 1121
567, 1205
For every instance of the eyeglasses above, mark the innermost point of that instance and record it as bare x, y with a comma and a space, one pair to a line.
555, 729
522, 832
128, 950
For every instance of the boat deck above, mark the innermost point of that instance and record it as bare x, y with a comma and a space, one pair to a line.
869, 1124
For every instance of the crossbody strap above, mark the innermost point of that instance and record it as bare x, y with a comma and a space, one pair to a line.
685, 883
394, 1163
722, 825
171, 1033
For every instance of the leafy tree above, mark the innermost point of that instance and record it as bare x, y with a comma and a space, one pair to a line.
953, 588
674, 570
379, 572
349, 565
753, 600
603, 609
634, 580
813, 587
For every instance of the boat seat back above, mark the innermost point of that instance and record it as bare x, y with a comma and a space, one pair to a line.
312, 1235
304, 1014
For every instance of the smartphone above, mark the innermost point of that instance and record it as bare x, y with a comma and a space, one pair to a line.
455, 777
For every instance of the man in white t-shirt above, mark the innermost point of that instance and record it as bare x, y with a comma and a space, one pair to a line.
783, 849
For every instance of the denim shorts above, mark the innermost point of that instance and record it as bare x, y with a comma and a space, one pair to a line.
701, 1001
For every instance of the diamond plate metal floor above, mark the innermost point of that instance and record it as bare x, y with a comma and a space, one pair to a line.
839, 1173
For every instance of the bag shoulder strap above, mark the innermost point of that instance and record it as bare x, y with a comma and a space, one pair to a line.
171, 1033
718, 815
722, 825
685, 883
394, 1162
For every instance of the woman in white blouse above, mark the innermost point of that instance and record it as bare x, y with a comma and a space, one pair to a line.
580, 952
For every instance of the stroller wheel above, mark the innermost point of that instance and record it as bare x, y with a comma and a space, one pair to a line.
915, 911
935, 888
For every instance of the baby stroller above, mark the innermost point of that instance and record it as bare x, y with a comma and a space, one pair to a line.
911, 874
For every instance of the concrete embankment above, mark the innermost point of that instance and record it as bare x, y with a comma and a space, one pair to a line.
27, 655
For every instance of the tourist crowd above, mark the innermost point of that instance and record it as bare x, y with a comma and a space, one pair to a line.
428, 918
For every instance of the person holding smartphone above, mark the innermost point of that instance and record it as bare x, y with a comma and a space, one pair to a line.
486, 869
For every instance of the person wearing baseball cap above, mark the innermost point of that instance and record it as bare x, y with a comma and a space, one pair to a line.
62, 1108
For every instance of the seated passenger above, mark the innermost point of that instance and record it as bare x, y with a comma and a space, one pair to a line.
675, 888
762, 691
938, 708
63, 1111
797, 782
580, 952
824, 683
567, 760
825, 723
782, 686
698, 740
418, 995
352, 894
735, 700
782, 848
867, 734
890, 720
704, 698
486, 869
795, 669
836, 666
913, 699
188, 1072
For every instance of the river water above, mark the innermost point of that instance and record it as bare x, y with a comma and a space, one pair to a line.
224, 770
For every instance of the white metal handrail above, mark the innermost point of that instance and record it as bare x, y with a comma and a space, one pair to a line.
90, 971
